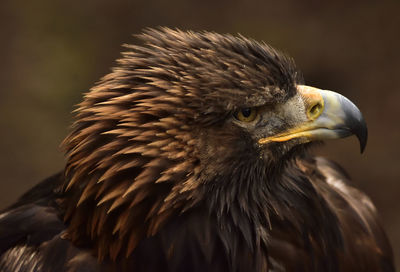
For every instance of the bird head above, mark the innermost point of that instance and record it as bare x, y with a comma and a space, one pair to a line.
177, 113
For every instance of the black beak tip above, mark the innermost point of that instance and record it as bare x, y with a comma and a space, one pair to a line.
362, 135
355, 122
363, 143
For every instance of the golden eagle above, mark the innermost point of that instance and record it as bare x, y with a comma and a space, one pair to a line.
192, 155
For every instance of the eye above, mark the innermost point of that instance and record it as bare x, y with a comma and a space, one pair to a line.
246, 114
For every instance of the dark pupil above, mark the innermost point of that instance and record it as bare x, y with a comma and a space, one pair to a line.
246, 112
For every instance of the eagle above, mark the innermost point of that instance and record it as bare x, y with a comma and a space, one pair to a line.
193, 155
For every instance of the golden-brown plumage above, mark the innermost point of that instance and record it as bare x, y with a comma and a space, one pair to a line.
162, 176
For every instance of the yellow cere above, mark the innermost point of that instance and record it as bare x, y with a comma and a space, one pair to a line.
313, 101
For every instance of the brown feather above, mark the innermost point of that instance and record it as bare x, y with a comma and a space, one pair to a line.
158, 177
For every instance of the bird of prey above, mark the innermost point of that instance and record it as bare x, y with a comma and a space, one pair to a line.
193, 155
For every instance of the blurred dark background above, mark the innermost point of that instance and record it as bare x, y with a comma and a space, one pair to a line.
52, 51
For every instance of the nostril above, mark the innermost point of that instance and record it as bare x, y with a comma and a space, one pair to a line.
315, 110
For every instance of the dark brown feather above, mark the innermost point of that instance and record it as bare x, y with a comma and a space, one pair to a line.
159, 179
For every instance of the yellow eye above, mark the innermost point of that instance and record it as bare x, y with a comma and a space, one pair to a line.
246, 114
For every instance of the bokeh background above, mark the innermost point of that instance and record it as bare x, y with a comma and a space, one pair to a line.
52, 51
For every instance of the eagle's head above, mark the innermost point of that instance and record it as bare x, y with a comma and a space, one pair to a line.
189, 120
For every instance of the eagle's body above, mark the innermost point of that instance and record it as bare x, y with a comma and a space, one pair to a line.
190, 156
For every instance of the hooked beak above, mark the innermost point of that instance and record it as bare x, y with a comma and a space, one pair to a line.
328, 115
